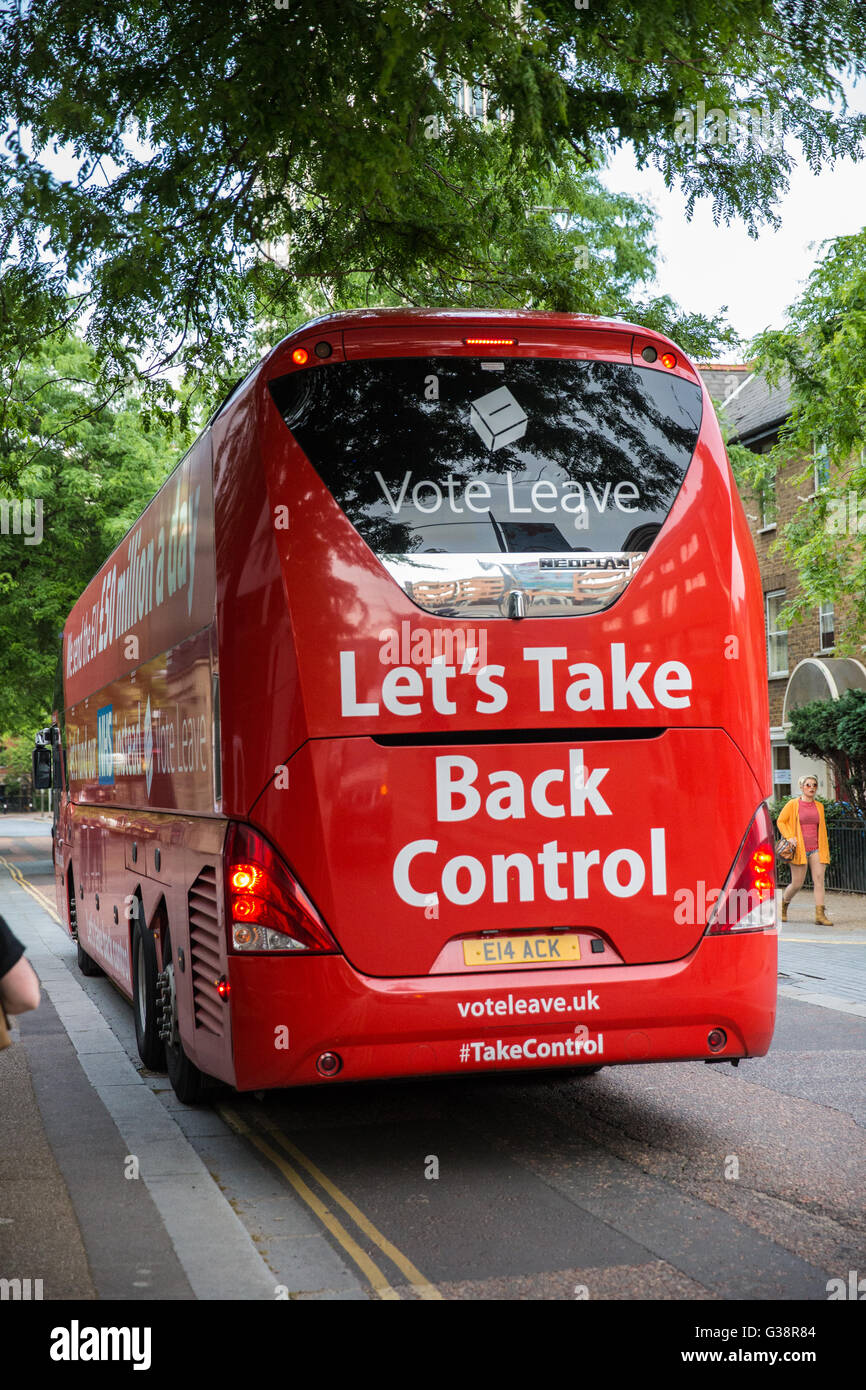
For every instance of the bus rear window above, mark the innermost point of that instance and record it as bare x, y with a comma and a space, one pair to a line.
535, 457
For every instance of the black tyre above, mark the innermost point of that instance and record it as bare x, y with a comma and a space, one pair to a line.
188, 1083
86, 964
151, 1048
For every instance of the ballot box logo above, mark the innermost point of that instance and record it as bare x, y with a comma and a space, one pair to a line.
498, 418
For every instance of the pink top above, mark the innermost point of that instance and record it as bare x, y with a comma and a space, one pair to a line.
809, 824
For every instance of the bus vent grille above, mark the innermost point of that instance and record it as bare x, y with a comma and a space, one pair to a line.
205, 956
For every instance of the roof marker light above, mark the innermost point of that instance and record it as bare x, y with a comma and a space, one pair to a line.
669, 360
300, 356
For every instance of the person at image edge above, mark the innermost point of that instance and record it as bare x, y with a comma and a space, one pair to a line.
802, 820
19, 985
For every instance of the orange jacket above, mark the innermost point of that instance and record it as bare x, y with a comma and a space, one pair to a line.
789, 826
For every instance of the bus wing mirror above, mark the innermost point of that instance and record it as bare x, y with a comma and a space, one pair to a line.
42, 758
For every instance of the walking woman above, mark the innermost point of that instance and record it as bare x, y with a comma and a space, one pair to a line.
802, 820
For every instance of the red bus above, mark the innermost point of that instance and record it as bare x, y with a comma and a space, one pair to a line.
419, 725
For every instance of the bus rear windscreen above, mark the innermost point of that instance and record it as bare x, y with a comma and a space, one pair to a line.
471, 478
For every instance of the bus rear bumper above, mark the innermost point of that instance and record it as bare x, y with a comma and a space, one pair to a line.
287, 1012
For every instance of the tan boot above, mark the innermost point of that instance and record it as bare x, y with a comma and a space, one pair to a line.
784, 911
821, 918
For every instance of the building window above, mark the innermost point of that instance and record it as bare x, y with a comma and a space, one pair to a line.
821, 461
767, 502
777, 636
781, 771
476, 103
827, 626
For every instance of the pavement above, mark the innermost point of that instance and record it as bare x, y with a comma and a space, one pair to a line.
824, 965
102, 1193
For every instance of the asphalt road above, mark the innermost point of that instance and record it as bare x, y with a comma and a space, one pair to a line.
672, 1182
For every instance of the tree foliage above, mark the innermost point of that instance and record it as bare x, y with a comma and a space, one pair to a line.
822, 350
90, 478
201, 139
835, 731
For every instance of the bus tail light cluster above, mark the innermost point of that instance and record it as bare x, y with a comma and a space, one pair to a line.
748, 900
268, 908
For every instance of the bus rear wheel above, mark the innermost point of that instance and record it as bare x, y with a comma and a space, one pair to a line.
86, 964
151, 1048
188, 1083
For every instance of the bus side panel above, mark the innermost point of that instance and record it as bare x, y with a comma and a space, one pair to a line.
183, 883
744, 653
261, 716
154, 590
96, 857
188, 882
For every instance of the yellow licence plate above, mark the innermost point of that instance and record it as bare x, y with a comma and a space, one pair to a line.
519, 950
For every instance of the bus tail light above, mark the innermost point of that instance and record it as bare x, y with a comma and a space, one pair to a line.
267, 908
748, 900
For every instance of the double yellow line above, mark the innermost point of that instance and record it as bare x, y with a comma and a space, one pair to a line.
375, 1276
36, 894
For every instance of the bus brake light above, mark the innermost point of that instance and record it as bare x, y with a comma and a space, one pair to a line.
245, 877
748, 899
268, 909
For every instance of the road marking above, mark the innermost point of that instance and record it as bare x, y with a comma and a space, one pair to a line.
421, 1286
370, 1270
819, 941
35, 893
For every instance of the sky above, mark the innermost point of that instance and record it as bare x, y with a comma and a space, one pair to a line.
703, 266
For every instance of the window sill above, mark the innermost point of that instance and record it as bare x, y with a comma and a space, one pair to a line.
763, 530
825, 651
778, 675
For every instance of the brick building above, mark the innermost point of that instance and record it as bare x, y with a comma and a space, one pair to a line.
801, 660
